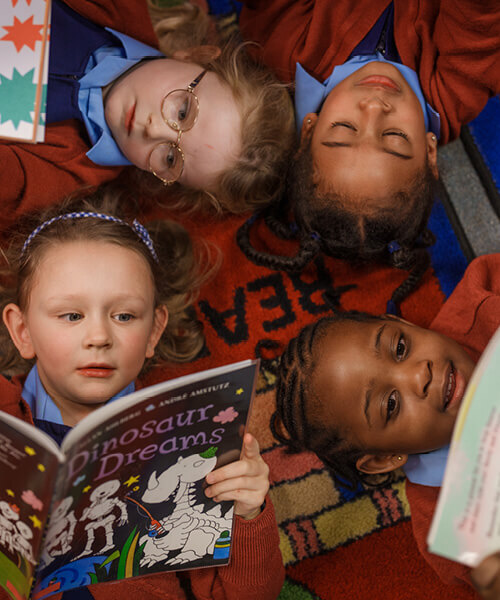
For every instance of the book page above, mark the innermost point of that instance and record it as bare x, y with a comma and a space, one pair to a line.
130, 498
28, 470
466, 524
24, 43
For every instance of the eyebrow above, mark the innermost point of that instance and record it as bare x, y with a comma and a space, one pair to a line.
386, 150
367, 403
378, 337
368, 395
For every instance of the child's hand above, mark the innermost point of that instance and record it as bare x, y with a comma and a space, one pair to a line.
486, 577
246, 481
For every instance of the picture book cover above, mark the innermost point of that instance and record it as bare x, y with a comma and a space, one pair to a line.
124, 495
24, 53
466, 524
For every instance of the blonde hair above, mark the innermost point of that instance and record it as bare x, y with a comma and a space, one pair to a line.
257, 177
177, 276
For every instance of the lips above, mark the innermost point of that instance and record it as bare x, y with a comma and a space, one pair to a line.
449, 385
453, 387
100, 371
380, 81
129, 119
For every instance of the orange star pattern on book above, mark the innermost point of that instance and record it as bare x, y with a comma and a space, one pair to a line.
23, 33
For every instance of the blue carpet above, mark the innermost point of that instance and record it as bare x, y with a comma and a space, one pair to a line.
447, 257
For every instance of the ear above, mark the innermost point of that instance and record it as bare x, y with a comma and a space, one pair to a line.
432, 153
15, 322
201, 55
159, 324
380, 463
308, 125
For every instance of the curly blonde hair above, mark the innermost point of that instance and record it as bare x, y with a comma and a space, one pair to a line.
181, 268
257, 177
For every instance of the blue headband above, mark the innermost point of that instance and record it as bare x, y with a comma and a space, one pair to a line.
139, 229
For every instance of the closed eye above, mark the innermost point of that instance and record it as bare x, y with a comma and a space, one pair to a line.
398, 133
343, 124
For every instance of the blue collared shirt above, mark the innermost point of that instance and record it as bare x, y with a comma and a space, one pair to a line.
105, 65
41, 404
311, 93
427, 468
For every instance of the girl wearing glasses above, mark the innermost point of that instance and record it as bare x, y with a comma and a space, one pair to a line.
114, 100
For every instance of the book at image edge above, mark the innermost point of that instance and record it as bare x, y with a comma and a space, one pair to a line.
484, 364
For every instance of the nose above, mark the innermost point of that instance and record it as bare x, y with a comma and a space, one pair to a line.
157, 130
419, 377
97, 334
375, 103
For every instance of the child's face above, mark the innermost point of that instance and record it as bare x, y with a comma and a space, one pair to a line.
390, 386
133, 113
90, 322
369, 138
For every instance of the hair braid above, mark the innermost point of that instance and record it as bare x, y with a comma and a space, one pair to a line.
297, 422
308, 249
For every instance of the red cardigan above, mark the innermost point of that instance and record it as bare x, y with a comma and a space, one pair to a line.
39, 175
256, 570
471, 315
453, 45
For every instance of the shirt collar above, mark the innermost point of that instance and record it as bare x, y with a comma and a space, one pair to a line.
311, 93
41, 404
427, 468
106, 66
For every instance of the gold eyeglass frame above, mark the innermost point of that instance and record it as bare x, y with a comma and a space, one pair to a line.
178, 129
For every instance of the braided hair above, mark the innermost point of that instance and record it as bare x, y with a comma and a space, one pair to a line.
297, 422
325, 222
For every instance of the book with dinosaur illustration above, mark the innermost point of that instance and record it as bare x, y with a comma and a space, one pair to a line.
124, 494
466, 523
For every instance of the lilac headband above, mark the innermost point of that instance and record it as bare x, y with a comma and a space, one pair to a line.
139, 229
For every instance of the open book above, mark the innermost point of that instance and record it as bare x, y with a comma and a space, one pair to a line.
466, 524
124, 495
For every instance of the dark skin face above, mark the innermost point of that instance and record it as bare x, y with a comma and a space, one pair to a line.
390, 387
369, 139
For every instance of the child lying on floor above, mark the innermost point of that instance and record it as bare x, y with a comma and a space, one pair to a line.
114, 99
369, 77
92, 300
369, 394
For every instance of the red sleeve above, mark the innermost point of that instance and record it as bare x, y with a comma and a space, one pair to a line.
317, 33
131, 18
471, 315
256, 569
39, 175
456, 53
422, 500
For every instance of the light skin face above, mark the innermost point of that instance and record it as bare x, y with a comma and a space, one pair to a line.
390, 387
210, 147
90, 323
369, 138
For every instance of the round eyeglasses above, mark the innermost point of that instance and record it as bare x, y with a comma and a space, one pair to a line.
179, 109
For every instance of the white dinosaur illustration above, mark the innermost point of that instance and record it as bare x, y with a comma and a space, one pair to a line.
100, 513
8, 517
21, 541
61, 530
187, 528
